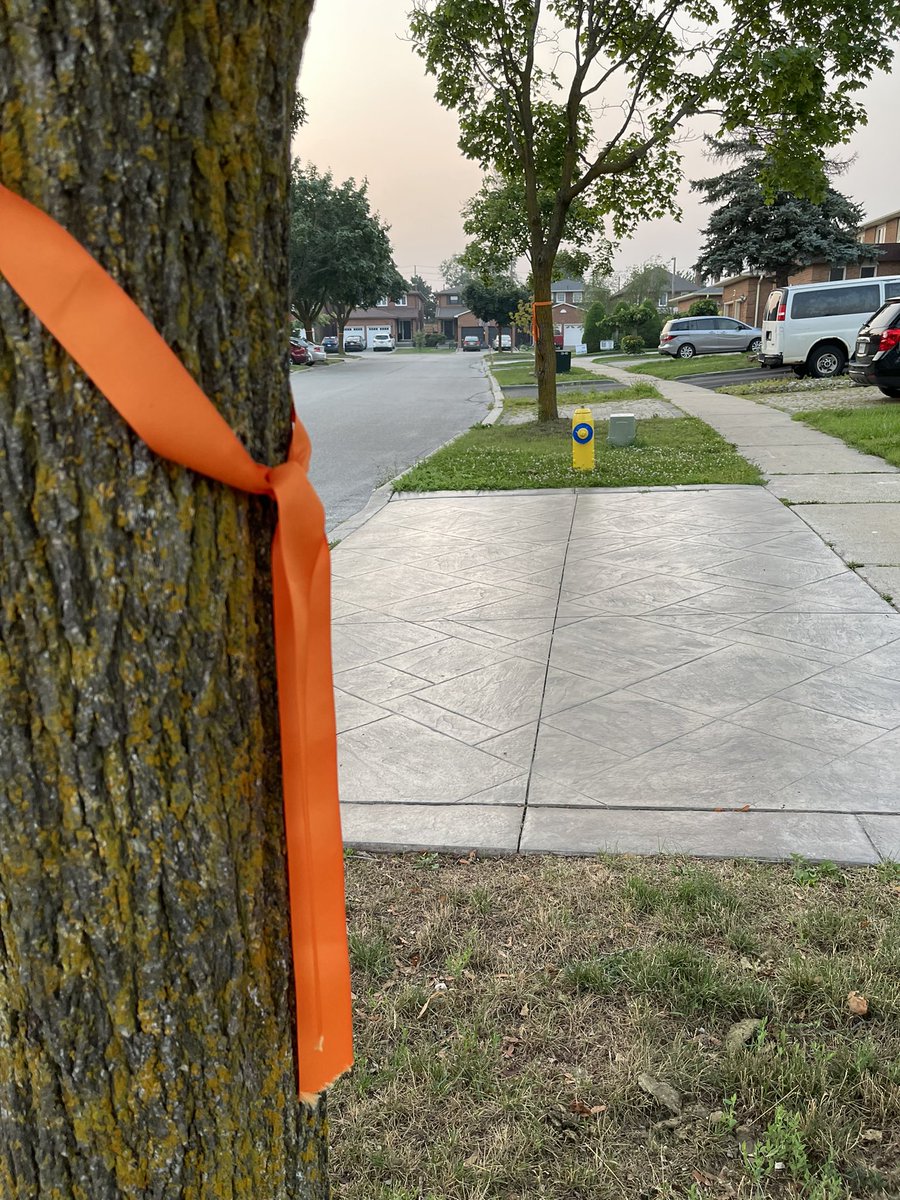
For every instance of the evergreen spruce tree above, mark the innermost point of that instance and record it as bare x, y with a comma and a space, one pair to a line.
775, 239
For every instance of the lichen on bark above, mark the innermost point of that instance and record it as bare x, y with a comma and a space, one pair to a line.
145, 991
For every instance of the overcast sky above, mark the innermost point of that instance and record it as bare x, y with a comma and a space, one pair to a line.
372, 115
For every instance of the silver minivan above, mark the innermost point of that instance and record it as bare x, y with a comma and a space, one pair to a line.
683, 337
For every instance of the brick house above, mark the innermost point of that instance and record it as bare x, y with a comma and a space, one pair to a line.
449, 306
401, 317
567, 291
568, 324
683, 302
745, 296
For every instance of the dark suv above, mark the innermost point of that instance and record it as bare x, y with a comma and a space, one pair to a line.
876, 360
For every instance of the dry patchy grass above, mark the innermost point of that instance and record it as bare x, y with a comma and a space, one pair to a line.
507, 1010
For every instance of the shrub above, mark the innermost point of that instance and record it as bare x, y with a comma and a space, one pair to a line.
703, 308
433, 339
420, 339
632, 343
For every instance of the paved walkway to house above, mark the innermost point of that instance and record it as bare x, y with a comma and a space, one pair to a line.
687, 670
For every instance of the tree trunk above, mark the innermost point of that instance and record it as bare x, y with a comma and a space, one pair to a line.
544, 349
146, 1035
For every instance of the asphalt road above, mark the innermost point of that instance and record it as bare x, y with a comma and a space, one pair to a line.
371, 417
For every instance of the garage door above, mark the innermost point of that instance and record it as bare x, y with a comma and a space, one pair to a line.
372, 330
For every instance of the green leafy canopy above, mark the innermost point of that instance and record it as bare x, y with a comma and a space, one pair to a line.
572, 107
340, 253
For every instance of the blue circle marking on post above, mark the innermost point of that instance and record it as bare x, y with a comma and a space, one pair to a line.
583, 433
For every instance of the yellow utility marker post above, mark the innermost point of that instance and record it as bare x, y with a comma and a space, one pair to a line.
583, 439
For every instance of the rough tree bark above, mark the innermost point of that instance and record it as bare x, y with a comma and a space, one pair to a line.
145, 990
544, 349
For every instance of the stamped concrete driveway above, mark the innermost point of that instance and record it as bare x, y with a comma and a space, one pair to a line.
683, 670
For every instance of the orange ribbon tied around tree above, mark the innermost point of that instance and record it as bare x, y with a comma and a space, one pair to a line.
106, 333
534, 324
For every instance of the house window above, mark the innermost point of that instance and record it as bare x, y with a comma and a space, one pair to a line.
577, 297
881, 235
836, 274
400, 301
866, 272
453, 298
383, 302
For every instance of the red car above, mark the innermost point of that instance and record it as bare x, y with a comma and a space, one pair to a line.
299, 352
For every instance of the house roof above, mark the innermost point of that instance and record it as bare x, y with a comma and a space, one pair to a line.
875, 222
445, 312
700, 293
567, 285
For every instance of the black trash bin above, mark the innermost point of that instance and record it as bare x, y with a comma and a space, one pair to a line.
563, 361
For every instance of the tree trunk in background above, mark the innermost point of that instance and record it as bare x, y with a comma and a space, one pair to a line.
146, 1033
544, 349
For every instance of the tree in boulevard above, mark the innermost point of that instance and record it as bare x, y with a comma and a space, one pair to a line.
340, 256
146, 1011
577, 102
771, 235
496, 300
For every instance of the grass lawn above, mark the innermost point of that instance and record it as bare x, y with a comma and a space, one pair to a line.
533, 455
619, 395
873, 430
521, 374
620, 1029
702, 364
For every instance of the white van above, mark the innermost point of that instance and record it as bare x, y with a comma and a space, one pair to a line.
812, 327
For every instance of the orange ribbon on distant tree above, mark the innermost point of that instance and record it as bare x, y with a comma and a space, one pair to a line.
534, 325
106, 334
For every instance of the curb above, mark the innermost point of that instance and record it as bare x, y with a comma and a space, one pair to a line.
495, 412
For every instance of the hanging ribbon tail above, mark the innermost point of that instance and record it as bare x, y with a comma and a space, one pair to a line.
301, 584
107, 334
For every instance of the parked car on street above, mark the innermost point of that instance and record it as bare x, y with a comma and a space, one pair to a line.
504, 342
471, 342
383, 341
314, 350
812, 327
684, 337
354, 342
876, 358
299, 352
330, 345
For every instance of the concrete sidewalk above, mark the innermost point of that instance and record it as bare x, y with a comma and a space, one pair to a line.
685, 670
851, 500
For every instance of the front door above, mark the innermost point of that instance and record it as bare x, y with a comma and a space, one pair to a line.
404, 331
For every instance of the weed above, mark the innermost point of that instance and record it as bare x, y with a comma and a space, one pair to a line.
808, 873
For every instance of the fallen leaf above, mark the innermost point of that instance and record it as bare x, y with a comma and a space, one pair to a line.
871, 1135
857, 1004
741, 1033
585, 1110
663, 1092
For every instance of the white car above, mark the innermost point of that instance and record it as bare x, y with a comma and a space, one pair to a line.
383, 341
812, 327
503, 343
315, 351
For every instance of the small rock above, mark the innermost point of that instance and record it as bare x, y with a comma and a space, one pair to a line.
857, 1004
741, 1033
664, 1093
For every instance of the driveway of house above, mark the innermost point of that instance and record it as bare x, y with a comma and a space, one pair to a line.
687, 670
